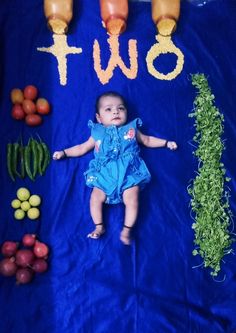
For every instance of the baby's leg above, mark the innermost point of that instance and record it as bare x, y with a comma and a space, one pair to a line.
97, 199
130, 198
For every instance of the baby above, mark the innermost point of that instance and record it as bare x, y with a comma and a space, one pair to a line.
117, 173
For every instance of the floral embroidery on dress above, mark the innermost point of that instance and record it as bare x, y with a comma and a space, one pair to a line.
130, 134
91, 179
97, 145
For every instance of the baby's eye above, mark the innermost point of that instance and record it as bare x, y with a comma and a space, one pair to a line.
108, 109
121, 108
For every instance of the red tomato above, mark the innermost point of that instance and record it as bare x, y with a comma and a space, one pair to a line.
29, 106
42, 106
30, 92
17, 96
33, 119
17, 112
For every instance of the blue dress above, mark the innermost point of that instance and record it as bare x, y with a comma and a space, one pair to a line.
117, 165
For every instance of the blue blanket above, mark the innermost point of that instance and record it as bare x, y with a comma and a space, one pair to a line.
103, 286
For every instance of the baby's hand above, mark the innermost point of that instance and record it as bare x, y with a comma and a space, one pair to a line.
172, 145
58, 155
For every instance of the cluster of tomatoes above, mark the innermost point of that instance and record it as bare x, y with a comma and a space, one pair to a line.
23, 262
27, 106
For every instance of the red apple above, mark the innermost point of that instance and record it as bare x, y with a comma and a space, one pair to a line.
24, 275
17, 112
42, 106
40, 249
29, 239
40, 265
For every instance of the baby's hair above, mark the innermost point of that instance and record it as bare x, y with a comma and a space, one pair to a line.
106, 94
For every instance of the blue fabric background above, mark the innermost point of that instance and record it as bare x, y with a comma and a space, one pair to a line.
102, 286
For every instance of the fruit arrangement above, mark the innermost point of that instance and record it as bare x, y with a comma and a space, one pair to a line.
28, 106
25, 259
32, 159
26, 204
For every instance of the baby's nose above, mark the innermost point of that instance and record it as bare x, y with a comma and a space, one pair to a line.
115, 110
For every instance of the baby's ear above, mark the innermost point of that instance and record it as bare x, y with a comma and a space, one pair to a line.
98, 118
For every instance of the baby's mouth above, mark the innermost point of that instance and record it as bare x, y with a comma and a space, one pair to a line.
116, 118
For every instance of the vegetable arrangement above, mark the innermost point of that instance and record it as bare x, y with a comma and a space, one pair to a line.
31, 159
24, 260
210, 199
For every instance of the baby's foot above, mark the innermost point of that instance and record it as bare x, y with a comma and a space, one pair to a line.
97, 232
125, 235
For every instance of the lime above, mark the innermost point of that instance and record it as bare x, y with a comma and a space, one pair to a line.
19, 214
35, 200
33, 213
15, 203
23, 194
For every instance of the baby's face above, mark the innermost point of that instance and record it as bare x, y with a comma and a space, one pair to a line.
111, 111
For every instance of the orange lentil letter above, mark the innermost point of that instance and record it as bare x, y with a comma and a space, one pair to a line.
115, 60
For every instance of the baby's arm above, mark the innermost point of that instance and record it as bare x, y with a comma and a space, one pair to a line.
75, 151
154, 142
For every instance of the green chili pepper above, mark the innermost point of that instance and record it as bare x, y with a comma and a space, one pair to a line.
46, 160
9, 161
22, 162
15, 155
33, 144
27, 158
40, 158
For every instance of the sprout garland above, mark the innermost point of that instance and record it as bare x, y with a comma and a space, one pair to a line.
210, 199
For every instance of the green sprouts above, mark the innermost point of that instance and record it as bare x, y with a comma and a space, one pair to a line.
209, 196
